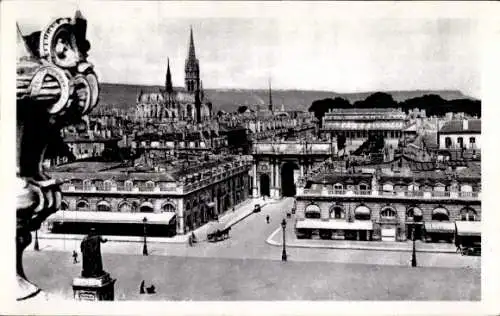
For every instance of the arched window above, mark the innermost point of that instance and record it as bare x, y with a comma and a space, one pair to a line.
440, 214
103, 206
468, 214
168, 207
337, 212
414, 214
125, 207
388, 213
82, 205
362, 212
312, 211
87, 185
128, 185
146, 207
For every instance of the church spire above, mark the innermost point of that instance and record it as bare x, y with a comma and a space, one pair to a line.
192, 54
192, 68
168, 81
270, 97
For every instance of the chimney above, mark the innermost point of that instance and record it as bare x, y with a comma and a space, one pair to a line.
465, 125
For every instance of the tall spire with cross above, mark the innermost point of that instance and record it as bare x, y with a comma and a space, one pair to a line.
192, 68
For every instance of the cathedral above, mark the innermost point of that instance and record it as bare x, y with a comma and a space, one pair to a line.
177, 104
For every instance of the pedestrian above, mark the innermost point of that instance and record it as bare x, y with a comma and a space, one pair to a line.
190, 241
75, 257
267, 219
193, 237
141, 289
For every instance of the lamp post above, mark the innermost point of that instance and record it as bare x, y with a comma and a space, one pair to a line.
414, 253
283, 254
37, 247
145, 246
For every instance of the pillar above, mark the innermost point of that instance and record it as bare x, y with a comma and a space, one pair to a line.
180, 217
278, 181
302, 169
255, 188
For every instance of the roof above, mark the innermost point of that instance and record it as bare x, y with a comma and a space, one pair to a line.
457, 126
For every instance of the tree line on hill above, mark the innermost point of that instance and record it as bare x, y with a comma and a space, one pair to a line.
433, 105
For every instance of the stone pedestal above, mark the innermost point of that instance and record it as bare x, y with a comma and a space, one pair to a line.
94, 289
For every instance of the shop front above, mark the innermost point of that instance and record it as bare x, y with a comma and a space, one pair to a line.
334, 229
437, 231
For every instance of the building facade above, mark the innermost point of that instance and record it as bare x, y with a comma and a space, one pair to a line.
179, 201
388, 202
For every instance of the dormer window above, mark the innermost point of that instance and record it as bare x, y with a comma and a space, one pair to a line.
128, 185
87, 185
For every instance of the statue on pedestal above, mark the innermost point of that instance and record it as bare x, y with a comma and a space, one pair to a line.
91, 255
56, 87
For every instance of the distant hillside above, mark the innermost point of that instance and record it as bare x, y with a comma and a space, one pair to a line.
124, 96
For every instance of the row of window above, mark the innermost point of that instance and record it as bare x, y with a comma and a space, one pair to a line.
128, 185
126, 207
362, 212
460, 141
389, 187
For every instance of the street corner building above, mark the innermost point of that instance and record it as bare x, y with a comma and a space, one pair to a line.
115, 199
393, 201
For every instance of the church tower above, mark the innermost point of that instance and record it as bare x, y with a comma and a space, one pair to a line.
192, 68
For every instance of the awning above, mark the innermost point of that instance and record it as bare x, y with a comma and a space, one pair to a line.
147, 204
312, 208
466, 228
439, 227
417, 211
111, 217
103, 203
362, 210
334, 224
440, 210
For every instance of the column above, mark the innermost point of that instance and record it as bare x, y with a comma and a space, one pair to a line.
278, 181
255, 189
272, 180
301, 168
180, 217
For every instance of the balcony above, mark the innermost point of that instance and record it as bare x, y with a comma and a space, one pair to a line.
392, 194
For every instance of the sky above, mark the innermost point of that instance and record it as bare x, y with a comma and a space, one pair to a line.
316, 46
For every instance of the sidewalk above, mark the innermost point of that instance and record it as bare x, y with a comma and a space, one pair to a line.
229, 218
275, 239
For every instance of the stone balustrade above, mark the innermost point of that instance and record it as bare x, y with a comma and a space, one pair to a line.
415, 194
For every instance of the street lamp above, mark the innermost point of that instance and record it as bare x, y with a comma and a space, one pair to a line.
414, 253
283, 254
37, 247
145, 246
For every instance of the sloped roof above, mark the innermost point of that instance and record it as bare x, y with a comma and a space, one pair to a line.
457, 126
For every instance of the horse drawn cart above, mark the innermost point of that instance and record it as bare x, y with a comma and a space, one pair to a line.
218, 233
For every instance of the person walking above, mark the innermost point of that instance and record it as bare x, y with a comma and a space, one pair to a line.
268, 219
75, 257
141, 288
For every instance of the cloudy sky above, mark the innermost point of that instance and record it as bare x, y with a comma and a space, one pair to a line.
321, 46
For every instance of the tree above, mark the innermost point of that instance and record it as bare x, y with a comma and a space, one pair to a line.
242, 109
